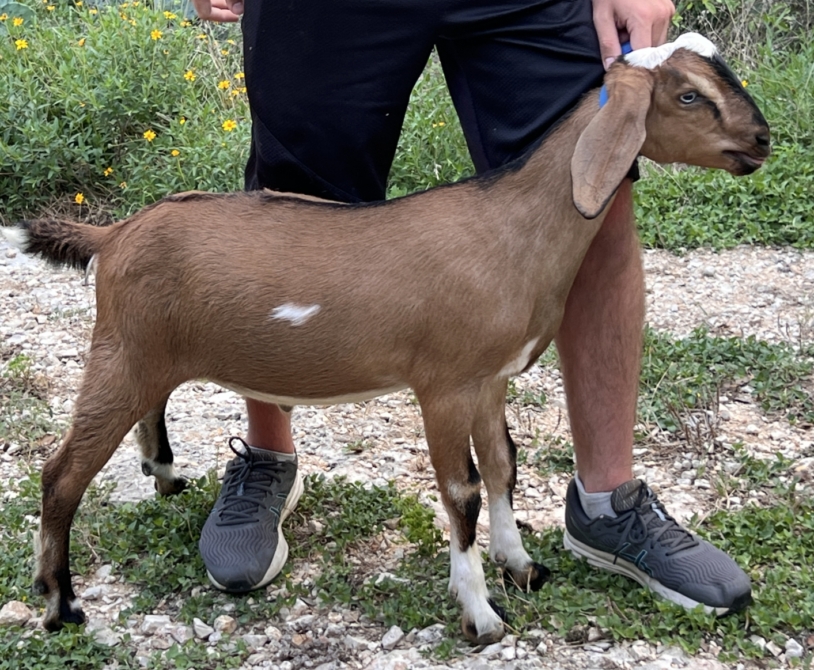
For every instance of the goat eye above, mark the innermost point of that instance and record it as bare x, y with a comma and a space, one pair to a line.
687, 98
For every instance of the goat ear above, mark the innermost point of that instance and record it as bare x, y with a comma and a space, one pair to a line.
609, 145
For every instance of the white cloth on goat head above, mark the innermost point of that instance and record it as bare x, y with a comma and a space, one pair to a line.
651, 57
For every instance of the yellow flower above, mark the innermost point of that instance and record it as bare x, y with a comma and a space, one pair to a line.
93, 11
224, 52
175, 152
123, 184
156, 35
108, 171
3, 17
240, 75
182, 120
229, 125
50, 8
744, 83
169, 16
79, 198
230, 41
81, 42
17, 21
223, 84
184, 24
189, 75
202, 36
149, 135
124, 5
21, 44
79, 4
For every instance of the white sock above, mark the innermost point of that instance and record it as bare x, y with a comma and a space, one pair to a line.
594, 504
279, 455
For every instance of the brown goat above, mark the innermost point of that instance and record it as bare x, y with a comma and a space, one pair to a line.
449, 292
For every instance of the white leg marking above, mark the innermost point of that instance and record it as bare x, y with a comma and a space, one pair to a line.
165, 471
505, 544
296, 314
467, 584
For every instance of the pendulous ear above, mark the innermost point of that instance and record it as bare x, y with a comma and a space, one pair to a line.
609, 145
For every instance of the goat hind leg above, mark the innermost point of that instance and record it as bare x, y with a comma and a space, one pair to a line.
448, 425
156, 453
497, 457
105, 412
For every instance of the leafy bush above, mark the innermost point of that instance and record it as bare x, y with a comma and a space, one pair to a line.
113, 107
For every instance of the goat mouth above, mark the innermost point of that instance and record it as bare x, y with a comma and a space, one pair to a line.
746, 163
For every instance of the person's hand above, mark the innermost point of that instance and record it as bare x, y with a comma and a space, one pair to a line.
219, 10
643, 23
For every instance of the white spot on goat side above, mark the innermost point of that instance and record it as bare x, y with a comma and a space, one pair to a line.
16, 237
296, 314
652, 57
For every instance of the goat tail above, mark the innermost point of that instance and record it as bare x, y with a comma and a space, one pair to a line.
58, 242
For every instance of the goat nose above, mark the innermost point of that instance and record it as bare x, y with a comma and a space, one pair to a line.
762, 138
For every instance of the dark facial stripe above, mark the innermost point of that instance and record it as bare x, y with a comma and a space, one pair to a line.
725, 73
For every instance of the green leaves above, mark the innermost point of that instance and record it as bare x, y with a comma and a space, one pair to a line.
689, 373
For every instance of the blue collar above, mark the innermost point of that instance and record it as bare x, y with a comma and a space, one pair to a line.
603, 92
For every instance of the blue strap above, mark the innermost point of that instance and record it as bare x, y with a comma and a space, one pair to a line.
603, 92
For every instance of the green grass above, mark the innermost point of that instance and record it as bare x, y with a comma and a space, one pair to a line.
153, 546
690, 372
25, 415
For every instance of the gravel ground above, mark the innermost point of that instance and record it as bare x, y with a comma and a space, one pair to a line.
769, 293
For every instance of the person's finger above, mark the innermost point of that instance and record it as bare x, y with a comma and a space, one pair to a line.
217, 10
605, 23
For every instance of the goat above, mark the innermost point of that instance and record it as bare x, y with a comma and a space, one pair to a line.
449, 292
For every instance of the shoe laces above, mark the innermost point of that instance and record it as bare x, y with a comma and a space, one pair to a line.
648, 518
245, 485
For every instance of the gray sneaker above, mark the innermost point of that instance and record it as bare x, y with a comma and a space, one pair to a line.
242, 543
646, 544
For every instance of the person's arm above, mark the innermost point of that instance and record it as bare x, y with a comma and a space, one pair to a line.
643, 23
219, 10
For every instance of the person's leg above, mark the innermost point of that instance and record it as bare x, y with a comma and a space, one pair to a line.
600, 344
328, 85
513, 71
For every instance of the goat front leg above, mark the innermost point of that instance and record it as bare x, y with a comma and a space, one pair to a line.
497, 458
156, 453
448, 424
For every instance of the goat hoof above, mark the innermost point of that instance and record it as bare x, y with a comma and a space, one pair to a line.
530, 579
67, 614
492, 633
170, 488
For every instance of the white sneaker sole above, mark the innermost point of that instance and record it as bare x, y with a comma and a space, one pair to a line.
609, 562
281, 555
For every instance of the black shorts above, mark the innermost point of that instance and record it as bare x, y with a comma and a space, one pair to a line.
329, 81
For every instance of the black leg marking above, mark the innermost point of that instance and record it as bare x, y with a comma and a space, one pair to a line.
513, 455
164, 456
471, 510
499, 611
